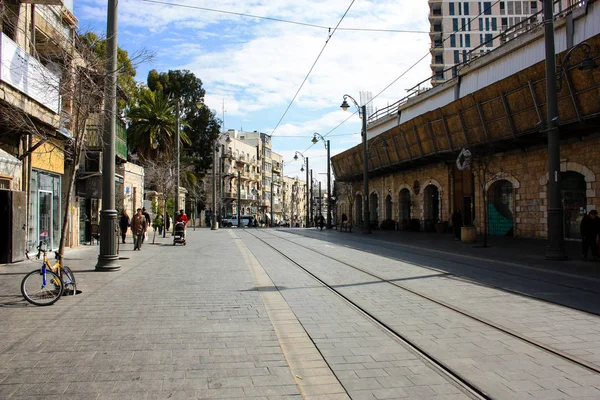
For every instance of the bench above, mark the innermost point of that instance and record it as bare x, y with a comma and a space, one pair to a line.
346, 226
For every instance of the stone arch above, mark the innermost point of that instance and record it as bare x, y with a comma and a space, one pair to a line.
503, 177
374, 206
566, 166
434, 182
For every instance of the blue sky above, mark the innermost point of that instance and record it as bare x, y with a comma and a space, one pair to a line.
252, 68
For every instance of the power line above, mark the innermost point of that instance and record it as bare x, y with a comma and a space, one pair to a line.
311, 68
282, 20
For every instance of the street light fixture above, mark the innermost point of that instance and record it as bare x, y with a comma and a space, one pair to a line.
307, 183
315, 140
362, 112
213, 216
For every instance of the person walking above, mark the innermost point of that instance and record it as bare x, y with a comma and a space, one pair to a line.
590, 229
182, 217
457, 221
158, 224
124, 224
138, 228
321, 222
167, 222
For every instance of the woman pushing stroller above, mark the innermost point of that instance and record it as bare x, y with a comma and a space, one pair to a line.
180, 222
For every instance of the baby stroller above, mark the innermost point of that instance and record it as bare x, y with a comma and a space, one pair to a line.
179, 234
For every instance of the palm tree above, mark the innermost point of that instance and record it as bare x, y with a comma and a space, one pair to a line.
153, 121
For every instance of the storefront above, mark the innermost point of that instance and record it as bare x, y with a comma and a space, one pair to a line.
45, 216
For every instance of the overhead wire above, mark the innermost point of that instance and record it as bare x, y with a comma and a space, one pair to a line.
280, 19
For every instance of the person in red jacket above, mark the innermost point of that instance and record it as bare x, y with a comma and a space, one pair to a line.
181, 217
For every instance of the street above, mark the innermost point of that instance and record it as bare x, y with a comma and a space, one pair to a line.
302, 313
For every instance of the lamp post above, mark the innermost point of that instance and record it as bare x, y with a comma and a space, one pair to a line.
213, 217
108, 257
362, 112
177, 165
307, 183
555, 247
315, 139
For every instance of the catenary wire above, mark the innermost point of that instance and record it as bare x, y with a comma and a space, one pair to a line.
282, 20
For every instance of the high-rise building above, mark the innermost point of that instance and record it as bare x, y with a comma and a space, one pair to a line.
463, 30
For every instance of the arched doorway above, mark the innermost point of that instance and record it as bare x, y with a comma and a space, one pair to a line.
404, 206
358, 208
374, 207
572, 188
501, 208
431, 205
388, 207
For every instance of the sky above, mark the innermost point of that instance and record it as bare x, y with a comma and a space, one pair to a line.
280, 67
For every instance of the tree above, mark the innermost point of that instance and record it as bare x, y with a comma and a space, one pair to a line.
153, 121
203, 126
346, 191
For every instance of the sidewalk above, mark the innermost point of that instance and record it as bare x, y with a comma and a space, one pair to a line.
522, 251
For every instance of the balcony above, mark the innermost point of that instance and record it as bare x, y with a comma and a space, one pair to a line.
276, 166
94, 136
437, 62
436, 32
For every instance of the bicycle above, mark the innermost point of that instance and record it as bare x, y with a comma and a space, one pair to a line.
44, 286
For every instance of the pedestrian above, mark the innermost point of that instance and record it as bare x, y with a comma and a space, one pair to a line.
321, 222
590, 229
457, 222
158, 224
138, 228
182, 217
124, 224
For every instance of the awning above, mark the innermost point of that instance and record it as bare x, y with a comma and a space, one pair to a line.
8, 158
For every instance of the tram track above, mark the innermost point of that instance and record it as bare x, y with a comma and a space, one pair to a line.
512, 333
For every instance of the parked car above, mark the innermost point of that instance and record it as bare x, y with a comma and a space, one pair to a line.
246, 220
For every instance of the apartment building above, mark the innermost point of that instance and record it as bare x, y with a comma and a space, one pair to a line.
293, 200
35, 122
463, 30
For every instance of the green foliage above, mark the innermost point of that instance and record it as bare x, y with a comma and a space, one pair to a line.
202, 127
126, 76
153, 119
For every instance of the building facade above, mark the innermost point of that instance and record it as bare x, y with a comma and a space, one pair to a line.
463, 30
496, 109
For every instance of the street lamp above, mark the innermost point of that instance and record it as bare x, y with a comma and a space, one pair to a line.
307, 183
362, 112
213, 216
315, 139
555, 247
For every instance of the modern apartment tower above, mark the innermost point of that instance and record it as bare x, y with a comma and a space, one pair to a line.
463, 30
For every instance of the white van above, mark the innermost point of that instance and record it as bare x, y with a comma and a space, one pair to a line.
246, 220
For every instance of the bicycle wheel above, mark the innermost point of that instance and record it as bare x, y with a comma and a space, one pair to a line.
70, 285
35, 292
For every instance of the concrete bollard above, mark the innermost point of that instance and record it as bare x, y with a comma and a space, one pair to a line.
468, 234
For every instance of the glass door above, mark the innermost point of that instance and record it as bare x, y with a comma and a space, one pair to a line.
45, 223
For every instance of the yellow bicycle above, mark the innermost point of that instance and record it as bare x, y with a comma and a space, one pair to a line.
44, 286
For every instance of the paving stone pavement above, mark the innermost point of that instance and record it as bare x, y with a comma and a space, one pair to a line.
506, 367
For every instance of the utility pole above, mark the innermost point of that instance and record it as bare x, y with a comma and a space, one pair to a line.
307, 196
108, 257
320, 203
555, 247
177, 182
312, 205
328, 187
239, 190
272, 195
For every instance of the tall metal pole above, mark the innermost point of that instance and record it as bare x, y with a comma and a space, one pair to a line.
213, 217
239, 190
306, 224
320, 203
312, 201
108, 257
271, 195
328, 188
177, 134
555, 247
367, 222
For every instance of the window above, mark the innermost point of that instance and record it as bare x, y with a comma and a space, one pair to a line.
518, 7
488, 40
487, 8
452, 40
494, 24
502, 8
456, 57
461, 41
459, 8
466, 9
5, 183
510, 8
451, 5
455, 24
480, 24
467, 40
533, 6
487, 24
464, 24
